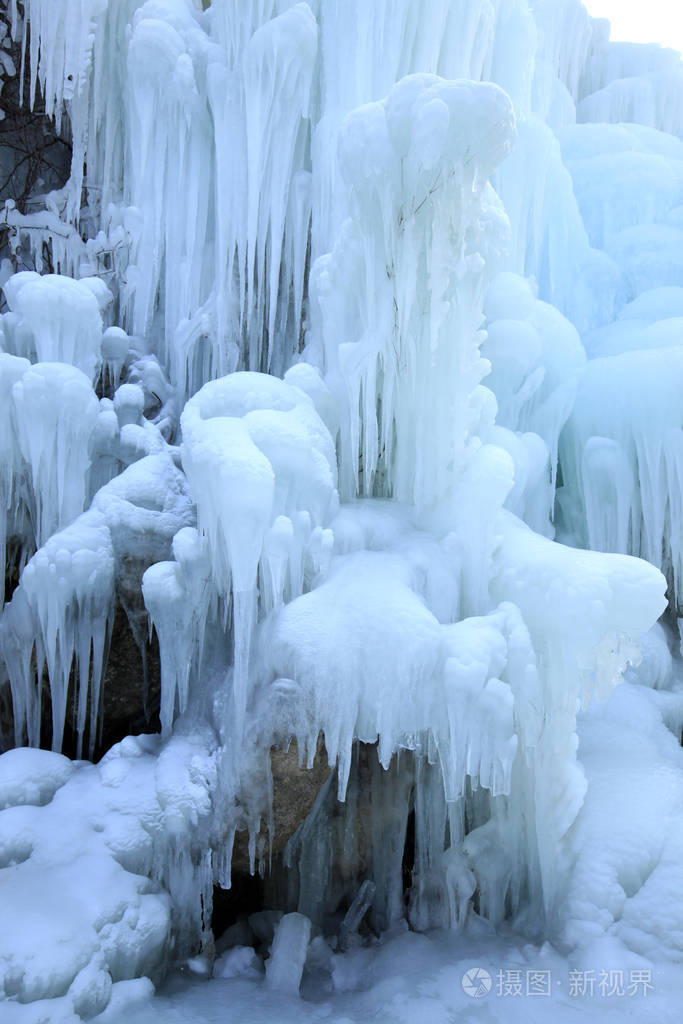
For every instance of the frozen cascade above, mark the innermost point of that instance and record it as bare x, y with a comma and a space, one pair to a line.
622, 456
12, 368
60, 615
412, 254
63, 607
50, 413
55, 413
178, 597
329, 361
261, 458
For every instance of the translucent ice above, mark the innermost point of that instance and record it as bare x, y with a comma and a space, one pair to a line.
55, 412
621, 456
288, 953
388, 252
62, 317
254, 448
60, 615
421, 223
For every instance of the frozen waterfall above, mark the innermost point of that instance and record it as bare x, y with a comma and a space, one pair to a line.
343, 376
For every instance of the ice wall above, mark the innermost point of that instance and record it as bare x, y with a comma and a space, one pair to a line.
368, 339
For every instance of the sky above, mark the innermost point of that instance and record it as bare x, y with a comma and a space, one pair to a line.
642, 21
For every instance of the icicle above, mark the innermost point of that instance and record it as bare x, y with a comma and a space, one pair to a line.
626, 427
64, 606
415, 167
61, 47
277, 68
253, 447
177, 596
55, 412
63, 317
356, 912
12, 467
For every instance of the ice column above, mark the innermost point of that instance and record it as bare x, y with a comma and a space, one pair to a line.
400, 296
55, 413
256, 452
12, 468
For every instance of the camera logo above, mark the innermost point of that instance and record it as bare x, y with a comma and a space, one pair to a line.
477, 982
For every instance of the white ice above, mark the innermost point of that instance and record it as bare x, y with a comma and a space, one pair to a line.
367, 309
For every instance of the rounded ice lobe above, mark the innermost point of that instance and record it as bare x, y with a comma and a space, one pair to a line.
62, 315
90, 991
29, 776
115, 344
129, 404
509, 296
430, 131
156, 47
254, 447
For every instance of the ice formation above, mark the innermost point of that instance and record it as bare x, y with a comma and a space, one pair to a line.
356, 383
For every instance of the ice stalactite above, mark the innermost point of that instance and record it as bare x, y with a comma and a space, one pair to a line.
12, 369
619, 455
60, 68
622, 458
263, 461
169, 124
178, 596
50, 413
565, 33
59, 619
651, 99
536, 357
55, 413
257, 105
411, 255
60, 443
58, 319
60, 616
464, 697
277, 74
583, 612
368, 340
55, 429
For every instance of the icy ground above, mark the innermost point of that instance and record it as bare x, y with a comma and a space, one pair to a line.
418, 979
631, 751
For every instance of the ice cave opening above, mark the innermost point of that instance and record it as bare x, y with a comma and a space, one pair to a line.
341, 513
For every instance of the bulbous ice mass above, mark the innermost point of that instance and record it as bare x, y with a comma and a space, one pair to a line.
358, 386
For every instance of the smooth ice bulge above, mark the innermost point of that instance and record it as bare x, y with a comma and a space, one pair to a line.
357, 386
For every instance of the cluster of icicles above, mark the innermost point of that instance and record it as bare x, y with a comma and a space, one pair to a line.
352, 312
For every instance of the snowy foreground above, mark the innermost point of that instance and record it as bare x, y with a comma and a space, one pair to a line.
418, 979
347, 366
631, 876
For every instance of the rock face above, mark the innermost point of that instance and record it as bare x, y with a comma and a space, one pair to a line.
36, 155
295, 789
130, 699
